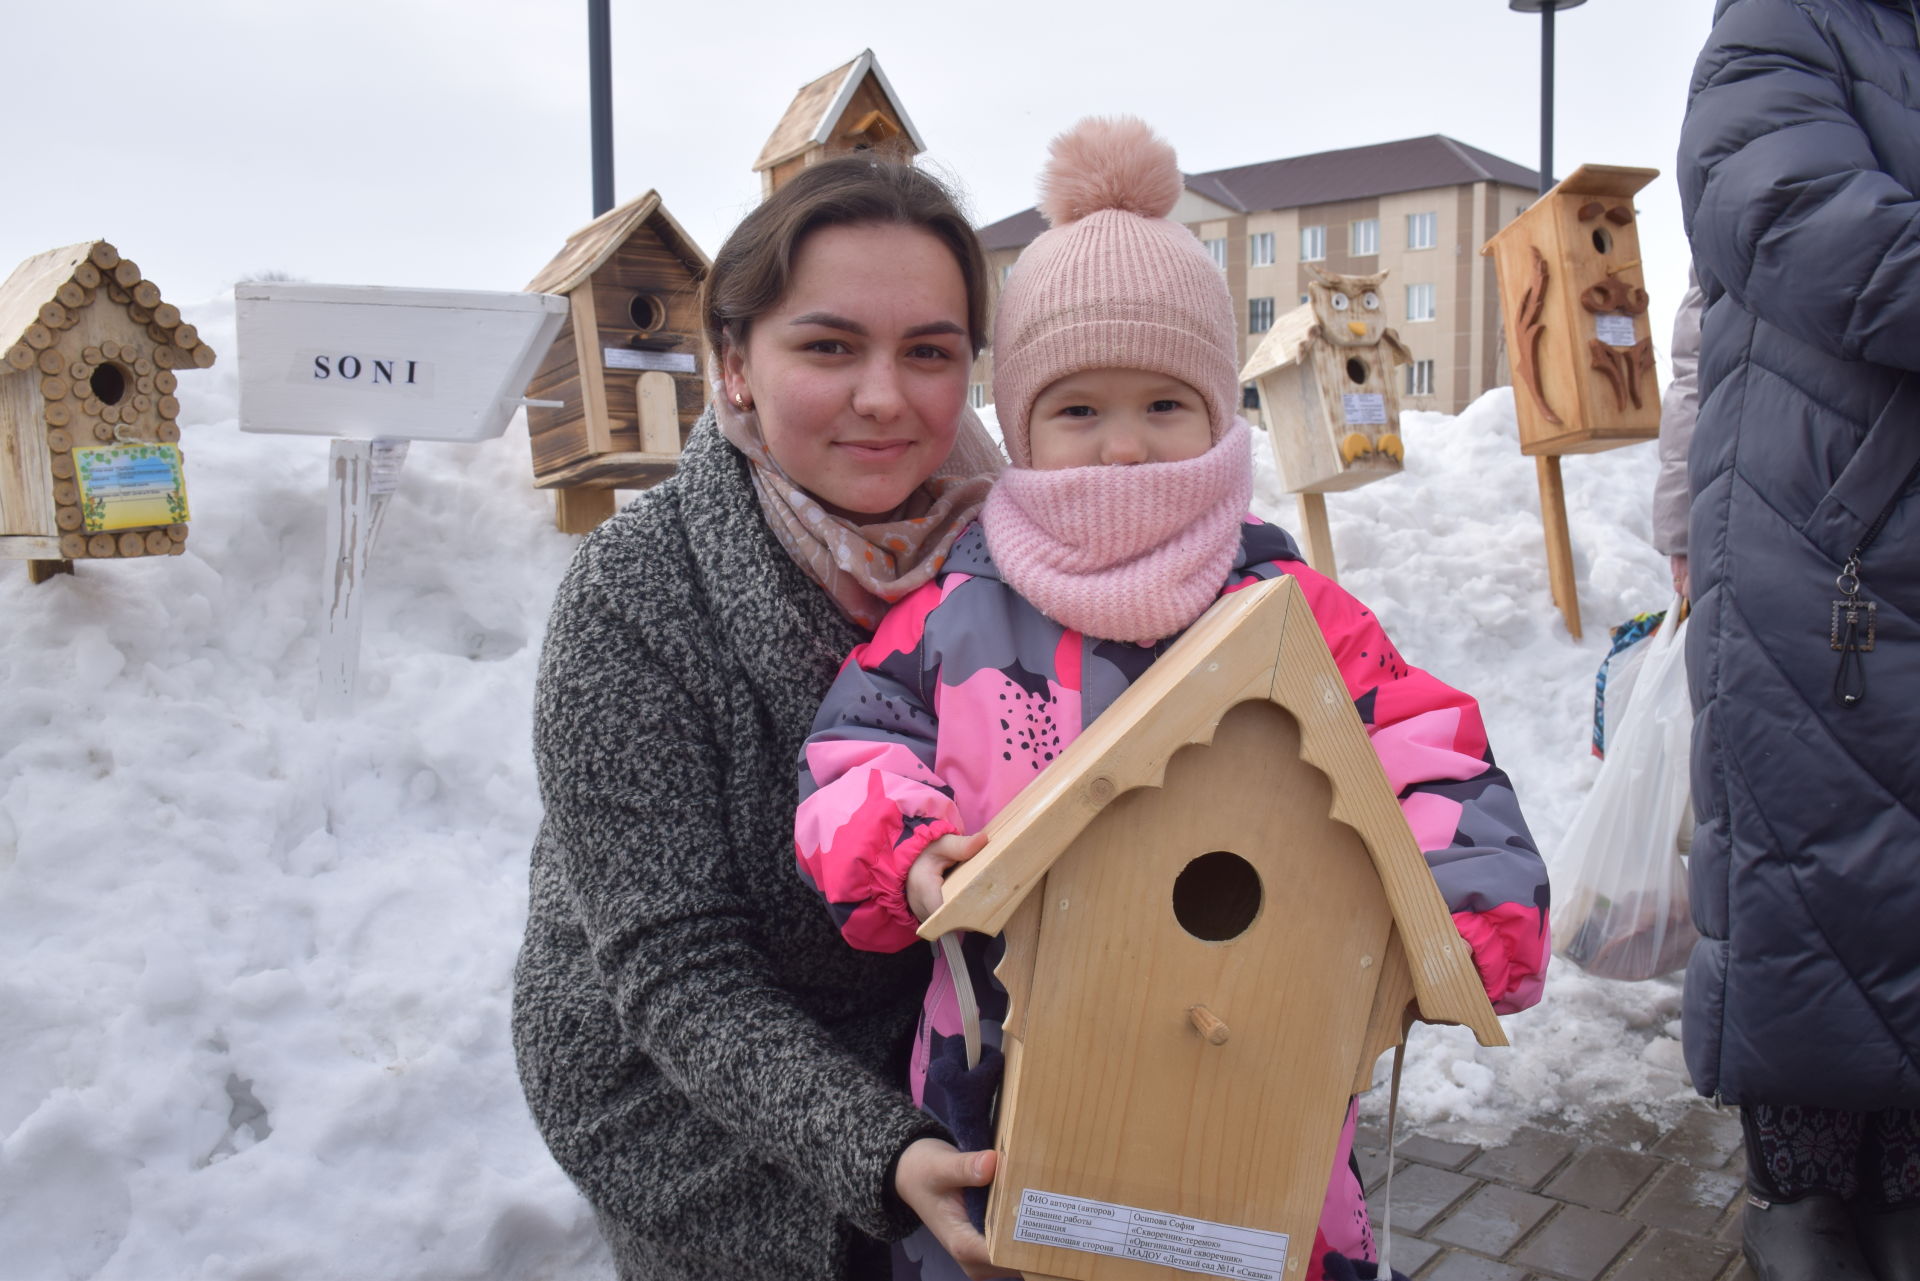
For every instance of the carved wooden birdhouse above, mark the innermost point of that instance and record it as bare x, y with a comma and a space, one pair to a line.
1230, 920
1326, 377
851, 108
1574, 300
626, 365
89, 467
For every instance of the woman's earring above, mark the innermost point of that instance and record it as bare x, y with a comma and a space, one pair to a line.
739, 401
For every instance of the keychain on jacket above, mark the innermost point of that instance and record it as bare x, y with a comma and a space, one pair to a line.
1853, 618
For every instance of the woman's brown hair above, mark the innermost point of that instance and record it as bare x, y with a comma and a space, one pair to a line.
752, 270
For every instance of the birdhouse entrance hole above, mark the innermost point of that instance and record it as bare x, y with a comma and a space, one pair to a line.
109, 384
647, 312
1217, 896
1603, 240
1356, 369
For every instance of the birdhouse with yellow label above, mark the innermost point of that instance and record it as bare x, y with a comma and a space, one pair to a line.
620, 388
90, 467
1574, 300
1147, 876
851, 108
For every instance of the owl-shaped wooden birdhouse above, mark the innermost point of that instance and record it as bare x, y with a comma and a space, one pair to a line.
625, 369
1574, 300
89, 464
1181, 1037
851, 108
1326, 377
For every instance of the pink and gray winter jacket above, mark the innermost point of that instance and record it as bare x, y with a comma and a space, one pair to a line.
966, 692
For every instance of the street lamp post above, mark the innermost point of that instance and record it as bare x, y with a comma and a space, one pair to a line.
600, 102
1545, 8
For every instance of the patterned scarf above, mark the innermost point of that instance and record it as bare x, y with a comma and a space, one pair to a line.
866, 567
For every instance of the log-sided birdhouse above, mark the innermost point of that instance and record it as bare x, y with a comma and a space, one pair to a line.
851, 108
1231, 920
1574, 299
89, 467
625, 368
1326, 377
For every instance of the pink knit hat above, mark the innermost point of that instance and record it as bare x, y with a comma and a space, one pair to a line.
1112, 284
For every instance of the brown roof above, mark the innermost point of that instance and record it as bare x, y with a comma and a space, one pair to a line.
1354, 173
594, 243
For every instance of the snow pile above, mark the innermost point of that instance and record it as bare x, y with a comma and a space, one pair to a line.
255, 970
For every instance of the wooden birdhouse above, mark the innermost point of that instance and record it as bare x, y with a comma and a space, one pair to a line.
1231, 920
1574, 300
625, 368
1326, 374
851, 108
89, 464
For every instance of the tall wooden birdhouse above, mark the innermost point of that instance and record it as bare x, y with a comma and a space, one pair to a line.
626, 366
1326, 374
1574, 300
1231, 920
89, 467
851, 108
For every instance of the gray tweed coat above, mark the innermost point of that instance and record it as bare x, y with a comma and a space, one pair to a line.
710, 1063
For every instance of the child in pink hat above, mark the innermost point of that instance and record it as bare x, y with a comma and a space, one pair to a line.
1122, 518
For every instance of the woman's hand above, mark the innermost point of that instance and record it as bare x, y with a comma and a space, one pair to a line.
930, 1178
926, 878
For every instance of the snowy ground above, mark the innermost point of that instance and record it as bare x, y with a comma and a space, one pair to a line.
254, 970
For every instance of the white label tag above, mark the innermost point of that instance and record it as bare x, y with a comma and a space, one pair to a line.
1150, 1236
1364, 408
1614, 331
671, 362
387, 457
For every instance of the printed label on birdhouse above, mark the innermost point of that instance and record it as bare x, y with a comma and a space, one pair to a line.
387, 374
1150, 1236
1364, 408
1614, 331
130, 486
667, 362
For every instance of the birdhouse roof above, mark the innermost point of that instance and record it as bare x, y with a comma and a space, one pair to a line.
817, 108
32, 284
1614, 181
590, 247
1281, 346
1261, 642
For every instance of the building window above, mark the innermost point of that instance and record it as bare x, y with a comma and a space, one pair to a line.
1420, 304
1423, 230
977, 395
1250, 397
1259, 315
1363, 237
1260, 249
1217, 250
1420, 378
1313, 244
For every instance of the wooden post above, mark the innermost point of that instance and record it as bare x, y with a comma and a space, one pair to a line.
362, 475
659, 415
1553, 520
1313, 522
39, 571
578, 509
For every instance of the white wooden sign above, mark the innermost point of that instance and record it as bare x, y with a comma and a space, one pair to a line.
365, 362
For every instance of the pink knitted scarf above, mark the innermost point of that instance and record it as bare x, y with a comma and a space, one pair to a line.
1126, 553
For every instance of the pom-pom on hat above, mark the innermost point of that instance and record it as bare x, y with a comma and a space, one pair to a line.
1112, 284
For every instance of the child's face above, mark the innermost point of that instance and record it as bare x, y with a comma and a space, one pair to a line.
1102, 417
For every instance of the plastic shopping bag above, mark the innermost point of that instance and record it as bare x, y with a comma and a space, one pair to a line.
1620, 882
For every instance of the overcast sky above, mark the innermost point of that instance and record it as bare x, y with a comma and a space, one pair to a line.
444, 143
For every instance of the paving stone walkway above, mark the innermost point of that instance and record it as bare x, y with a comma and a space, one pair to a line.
1619, 1199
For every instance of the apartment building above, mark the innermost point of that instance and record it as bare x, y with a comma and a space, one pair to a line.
1419, 208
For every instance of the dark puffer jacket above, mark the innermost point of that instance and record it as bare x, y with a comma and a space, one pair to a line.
716, 1070
1799, 163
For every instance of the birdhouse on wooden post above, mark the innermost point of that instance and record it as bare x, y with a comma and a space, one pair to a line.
89, 467
1189, 1008
1326, 377
625, 368
851, 108
1574, 300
